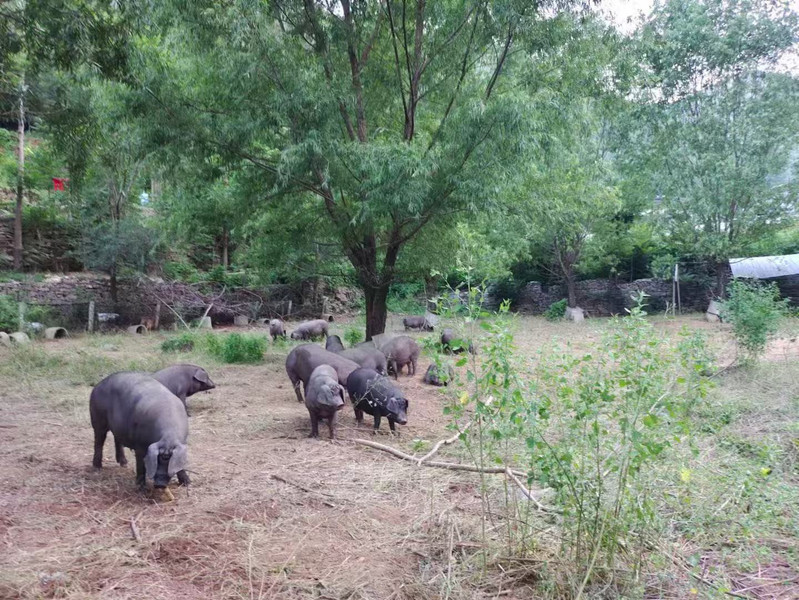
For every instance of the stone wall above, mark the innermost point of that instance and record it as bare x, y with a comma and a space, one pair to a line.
605, 297
70, 296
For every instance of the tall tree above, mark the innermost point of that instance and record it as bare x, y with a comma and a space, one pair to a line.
384, 117
714, 132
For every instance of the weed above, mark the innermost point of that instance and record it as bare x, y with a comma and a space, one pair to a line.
353, 336
237, 347
181, 343
755, 311
556, 310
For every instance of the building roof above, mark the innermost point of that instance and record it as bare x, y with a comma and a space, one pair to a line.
765, 267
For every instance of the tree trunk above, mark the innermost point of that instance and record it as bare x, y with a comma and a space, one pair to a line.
571, 289
225, 244
20, 182
114, 295
721, 279
376, 309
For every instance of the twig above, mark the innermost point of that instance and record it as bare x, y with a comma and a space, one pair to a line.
134, 528
299, 486
452, 439
174, 312
440, 465
526, 491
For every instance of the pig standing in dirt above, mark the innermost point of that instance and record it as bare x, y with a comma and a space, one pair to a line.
276, 329
448, 341
303, 359
369, 358
401, 351
184, 381
438, 376
145, 416
324, 397
334, 344
310, 330
417, 323
374, 394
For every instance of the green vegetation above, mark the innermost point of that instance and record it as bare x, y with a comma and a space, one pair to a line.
556, 310
755, 311
236, 347
180, 343
353, 336
9, 314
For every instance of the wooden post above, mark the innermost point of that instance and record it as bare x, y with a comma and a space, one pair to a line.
90, 326
157, 315
288, 312
677, 283
324, 305
21, 308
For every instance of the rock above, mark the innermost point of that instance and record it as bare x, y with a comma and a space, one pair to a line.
713, 314
4, 339
20, 337
205, 323
575, 314
241, 321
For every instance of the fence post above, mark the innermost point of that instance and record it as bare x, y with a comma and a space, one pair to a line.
157, 316
288, 312
21, 313
90, 326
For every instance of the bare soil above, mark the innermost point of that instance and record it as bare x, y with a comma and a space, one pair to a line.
270, 513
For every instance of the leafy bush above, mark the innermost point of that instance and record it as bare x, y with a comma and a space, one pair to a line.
402, 298
181, 343
589, 427
237, 348
556, 310
9, 314
755, 311
39, 313
179, 271
353, 336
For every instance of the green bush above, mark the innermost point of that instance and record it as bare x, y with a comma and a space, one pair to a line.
181, 343
37, 313
755, 311
179, 271
556, 311
9, 314
402, 298
353, 336
237, 348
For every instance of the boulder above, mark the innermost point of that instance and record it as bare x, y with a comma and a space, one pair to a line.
713, 314
575, 314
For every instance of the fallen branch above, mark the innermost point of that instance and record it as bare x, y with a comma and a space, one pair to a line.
440, 465
174, 312
299, 486
527, 492
452, 439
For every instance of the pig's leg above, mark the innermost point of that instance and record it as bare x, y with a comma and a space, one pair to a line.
413, 364
359, 416
183, 477
297, 390
314, 424
391, 425
141, 479
120, 453
99, 441
377, 421
331, 425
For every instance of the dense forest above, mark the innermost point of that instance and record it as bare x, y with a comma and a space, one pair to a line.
396, 145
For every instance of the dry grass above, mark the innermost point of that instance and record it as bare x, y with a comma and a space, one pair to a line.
272, 514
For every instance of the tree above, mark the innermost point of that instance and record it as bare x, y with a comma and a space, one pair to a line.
382, 118
716, 125
36, 35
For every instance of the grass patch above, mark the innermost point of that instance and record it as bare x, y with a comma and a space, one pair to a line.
237, 348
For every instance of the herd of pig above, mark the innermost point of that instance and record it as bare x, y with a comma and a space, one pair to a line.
148, 413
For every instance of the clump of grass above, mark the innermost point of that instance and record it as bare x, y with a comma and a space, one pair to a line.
181, 343
237, 348
353, 336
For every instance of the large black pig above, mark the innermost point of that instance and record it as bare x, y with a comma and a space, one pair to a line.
145, 416
374, 394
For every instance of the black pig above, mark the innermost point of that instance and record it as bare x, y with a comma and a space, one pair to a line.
374, 394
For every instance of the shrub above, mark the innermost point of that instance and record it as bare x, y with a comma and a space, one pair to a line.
38, 313
237, 348
353, 336
9, 314
182, 343
556, 311
755, 311
402, 298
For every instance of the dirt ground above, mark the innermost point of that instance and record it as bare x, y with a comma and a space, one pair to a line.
270, 513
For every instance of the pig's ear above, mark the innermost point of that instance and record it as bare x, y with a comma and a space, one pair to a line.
179, 459
202, 376
151, 461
